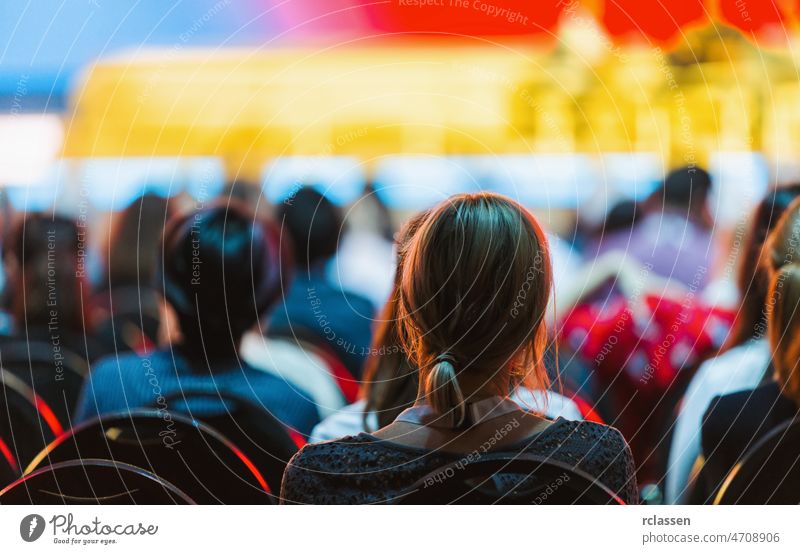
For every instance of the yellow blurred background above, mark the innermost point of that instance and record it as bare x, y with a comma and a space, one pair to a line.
715, 92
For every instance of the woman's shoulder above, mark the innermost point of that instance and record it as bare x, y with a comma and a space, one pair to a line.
339, 454
582, 433
597, 449
583, 438
346, 470
586, 443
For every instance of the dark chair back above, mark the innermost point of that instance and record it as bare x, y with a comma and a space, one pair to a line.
56, 376
187, 453
508, 479
769, 473
27, 423
260, 436
91, 481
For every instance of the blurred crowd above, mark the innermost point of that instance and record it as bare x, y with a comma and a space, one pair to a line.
651, 350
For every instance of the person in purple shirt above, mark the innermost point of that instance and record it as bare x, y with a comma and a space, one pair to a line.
220, 272
672, 230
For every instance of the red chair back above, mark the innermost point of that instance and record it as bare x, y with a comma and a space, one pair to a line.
27, 422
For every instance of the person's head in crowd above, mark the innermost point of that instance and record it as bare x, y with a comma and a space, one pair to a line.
784, 328
782, 260
313, 223
473, 293
130, 255
753, 277
390, 381
782, 246
621, 216
685, 190
371, 212
242, 191
220, 272
46, 273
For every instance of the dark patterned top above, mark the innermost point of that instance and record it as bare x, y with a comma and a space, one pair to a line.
363, 469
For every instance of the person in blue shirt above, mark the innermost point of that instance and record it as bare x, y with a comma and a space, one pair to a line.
315, 309
219, 272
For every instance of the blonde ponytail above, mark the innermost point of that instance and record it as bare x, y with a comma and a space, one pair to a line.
442, 389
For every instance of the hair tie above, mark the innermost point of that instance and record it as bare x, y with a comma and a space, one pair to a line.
446, 357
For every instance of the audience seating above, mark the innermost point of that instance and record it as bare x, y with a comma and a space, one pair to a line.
187, 453
485, 481
261, 437
696, 487
92, 481
27, 423
769, 473
33, 362
9, 470
665, 412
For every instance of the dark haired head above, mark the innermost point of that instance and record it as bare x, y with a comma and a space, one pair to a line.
621, 216
220, 272
133, 242
685, 189
685, 185
241, 191
313, 224
474, 288
45, 272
